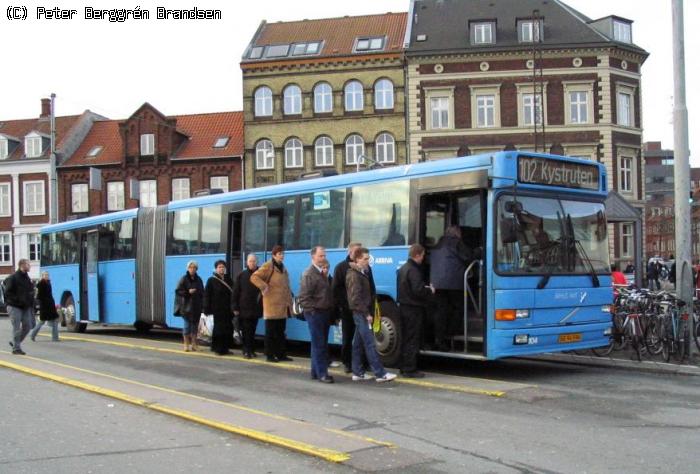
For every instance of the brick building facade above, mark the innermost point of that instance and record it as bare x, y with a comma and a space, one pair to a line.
25, 189
162, 158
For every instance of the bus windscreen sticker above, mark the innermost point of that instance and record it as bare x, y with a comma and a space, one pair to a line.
535, 170
322, 200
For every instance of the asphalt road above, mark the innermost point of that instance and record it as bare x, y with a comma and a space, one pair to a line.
552, 417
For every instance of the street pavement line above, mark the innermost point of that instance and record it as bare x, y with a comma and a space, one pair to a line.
284, 365
211, 400
305, 448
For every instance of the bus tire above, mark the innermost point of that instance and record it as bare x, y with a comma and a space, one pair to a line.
388, 340
69, 316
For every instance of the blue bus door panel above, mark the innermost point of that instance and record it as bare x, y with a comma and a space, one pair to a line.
117, 291
93, 286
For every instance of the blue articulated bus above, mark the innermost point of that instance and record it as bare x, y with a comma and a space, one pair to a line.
542, 282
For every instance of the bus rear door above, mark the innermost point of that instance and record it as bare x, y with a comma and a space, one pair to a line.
90, 291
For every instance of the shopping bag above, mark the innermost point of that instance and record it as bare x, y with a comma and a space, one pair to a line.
206, 327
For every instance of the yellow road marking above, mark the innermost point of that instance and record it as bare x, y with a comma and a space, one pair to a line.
419, 383
323, 453
197, 397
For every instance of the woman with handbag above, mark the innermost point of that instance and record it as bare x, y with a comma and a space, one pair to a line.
273, 281
217, 301
188, 304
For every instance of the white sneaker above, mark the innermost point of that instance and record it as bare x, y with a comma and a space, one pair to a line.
334, 364
365, 376
387, 377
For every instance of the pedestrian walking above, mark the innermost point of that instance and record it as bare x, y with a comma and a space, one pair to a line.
414, 296
218, 296
359, 297
316, 297
47, 307
247, 305
19, 299
188, 304
653, 275
340, 299
273, 281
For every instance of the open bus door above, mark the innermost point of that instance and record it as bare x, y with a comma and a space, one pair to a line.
89, 282
465, 209
248, 234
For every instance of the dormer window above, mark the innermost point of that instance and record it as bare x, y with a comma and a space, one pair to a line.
256, 52
147, 144
483, 32
221, 142
4, 148
277, 51
622, 31
32, 146
529, 31
301, 49
94, 151
369, 44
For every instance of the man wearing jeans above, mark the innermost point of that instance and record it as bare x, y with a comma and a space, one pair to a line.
316, 297
19, 298
360, 303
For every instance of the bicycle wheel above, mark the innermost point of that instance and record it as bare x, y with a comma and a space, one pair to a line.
653, 336
680, 342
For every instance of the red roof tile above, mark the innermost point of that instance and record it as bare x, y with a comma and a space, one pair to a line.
20, 128
338, 34
202, 131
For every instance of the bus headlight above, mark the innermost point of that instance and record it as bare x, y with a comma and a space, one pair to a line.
606, 308
511, 314
521, 339
607, 332
522, 313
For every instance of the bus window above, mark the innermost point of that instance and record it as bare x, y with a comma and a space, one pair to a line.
211, 230
69, 247
184, 238
116, 240
379, 214
281, 220
49, 253
322, 219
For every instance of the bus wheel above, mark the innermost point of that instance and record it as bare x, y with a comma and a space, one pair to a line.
69, 316
388, 340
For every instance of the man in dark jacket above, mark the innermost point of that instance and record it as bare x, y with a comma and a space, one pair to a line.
413, 296
359, 297
448, 262
247, 305
340, 299
316, 297
19, 298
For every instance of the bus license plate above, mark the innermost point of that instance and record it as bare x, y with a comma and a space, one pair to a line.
567, 338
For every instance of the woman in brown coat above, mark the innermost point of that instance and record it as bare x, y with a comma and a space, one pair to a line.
273, 281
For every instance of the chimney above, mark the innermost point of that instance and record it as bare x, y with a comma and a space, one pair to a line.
45, 108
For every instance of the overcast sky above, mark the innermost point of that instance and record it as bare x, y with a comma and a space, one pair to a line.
186, 67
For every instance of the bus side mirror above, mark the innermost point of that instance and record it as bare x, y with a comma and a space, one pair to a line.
508, 230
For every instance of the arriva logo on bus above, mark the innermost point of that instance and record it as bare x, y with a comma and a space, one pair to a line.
380, 260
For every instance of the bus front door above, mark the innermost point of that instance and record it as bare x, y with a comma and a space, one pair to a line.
90, 298
254, 233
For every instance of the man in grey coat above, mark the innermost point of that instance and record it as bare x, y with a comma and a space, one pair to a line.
19, 298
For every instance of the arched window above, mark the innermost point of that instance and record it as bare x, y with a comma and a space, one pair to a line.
264, 155
354, 99
354, 149
323, 98
292, 100
263, 102
384, 149
293, 154
384, 94
324, 151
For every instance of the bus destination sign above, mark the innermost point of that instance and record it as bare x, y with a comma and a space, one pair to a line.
535, 170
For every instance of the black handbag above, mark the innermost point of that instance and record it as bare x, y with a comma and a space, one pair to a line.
180, 305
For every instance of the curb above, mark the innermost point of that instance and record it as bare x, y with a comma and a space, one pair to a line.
618, 364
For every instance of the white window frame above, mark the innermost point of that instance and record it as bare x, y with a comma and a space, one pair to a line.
219, 182
33, 145
625, 91
264, 155
79, 198
40, 204
5, 199
5, 247
533, 33
323, 151
148, 193
578, 107
626, 173
4, 148
323, 98
292, 100
180, 188
115, 196
385, 148
148, 144
484, 91
626, 240
384, 94
578, 87
525, 94
622, 31
485, 111
483, 33
354, 98
34, 240
532, 109
263, 102
354, 149
293, 153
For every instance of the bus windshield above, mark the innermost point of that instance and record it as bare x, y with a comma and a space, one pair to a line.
538, 235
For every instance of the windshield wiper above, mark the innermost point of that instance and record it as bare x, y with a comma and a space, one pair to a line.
554, 245
584, 256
